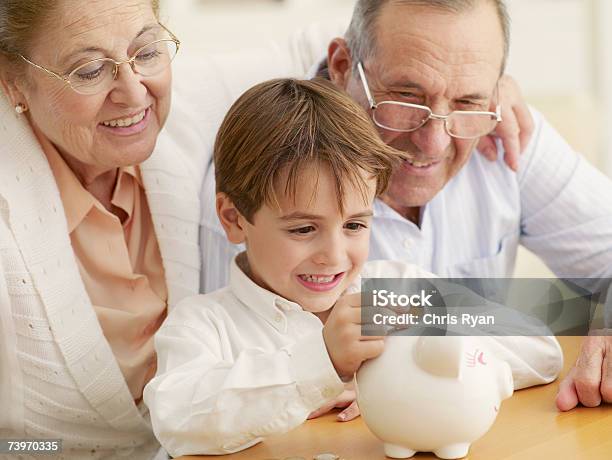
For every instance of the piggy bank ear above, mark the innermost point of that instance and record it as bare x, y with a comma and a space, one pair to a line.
440, 355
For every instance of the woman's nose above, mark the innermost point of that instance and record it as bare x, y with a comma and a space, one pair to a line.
128, 88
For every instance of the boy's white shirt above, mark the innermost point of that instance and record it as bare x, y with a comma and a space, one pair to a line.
243, 363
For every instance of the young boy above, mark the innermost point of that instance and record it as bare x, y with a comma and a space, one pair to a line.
298, 165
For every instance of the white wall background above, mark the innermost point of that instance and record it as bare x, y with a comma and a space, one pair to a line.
560, 54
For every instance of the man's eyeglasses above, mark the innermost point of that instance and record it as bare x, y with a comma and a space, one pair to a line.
405, 117
96, 76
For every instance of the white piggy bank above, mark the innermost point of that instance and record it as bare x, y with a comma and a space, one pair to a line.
432, 394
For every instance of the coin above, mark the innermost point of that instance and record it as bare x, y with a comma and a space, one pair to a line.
326, 457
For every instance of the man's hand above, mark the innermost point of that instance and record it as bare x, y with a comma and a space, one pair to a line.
590, 380
516, 127
346, 347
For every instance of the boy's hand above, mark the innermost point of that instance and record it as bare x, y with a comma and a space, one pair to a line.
350, 413
346, 347
346, 399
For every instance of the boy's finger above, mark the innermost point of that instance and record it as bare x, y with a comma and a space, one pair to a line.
350, 413
358, 300
321, 411
365, 338
352, 300
366, 315
374, 331
345, 398
371, 348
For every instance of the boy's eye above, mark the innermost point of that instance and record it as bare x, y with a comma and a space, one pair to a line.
302, 230
354, 226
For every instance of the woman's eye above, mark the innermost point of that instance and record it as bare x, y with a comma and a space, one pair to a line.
148, 54
355, 226
90, 72
302, 230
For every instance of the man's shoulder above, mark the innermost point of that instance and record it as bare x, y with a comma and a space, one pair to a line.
393, 269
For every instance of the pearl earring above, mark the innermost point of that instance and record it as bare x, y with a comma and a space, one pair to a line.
20, 108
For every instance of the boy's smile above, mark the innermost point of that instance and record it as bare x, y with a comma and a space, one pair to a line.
321, 283
306, 250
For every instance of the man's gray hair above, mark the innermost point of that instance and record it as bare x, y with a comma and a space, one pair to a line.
360, 34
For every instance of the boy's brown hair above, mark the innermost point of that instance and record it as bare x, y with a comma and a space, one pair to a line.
285, 125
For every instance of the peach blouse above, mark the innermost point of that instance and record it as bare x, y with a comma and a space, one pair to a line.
120, 264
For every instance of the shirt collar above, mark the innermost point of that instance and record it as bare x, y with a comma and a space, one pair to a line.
383, 211
270, 306
123, 195
76, 199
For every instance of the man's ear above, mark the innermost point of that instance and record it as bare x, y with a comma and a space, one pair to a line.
232, 221
339, 62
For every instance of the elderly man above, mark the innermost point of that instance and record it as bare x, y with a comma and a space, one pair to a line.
416, 66
428, 72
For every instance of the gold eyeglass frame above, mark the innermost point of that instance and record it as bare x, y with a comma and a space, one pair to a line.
130, 61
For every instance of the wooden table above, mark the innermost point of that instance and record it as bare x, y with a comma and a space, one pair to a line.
528, 427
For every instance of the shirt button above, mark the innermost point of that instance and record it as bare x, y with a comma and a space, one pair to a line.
408, 243
278, 317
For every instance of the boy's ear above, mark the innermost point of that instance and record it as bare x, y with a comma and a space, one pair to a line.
339, 62
231, 219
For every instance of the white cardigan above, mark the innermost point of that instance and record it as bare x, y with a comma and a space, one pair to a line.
58, 376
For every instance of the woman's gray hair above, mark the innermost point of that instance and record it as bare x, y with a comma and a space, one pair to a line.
360, 36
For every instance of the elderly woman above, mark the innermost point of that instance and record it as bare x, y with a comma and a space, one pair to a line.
98, 227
